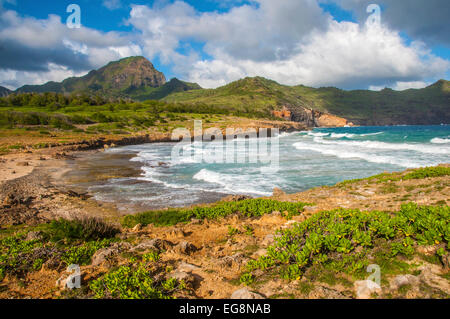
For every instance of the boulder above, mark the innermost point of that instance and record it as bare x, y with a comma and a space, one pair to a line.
244, 293
54, 263
235, 198
365, 288
176, 233
404, 280
185, 247
260, 252
34, 235
310, 209
195, 221
427, 250
268, 240
187, 278
102, 255
278, 192
185, 267
137, 228
228, 261
153, 244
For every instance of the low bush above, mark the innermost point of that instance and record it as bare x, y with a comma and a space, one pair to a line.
345, 240
15, 254
247, 208
81, 255
428, 172
134, 282
86, 229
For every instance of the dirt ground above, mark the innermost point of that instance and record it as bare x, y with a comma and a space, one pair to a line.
31, 192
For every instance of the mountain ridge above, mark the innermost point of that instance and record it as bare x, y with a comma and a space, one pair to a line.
132, 77
4, 91
137, 78
430, 105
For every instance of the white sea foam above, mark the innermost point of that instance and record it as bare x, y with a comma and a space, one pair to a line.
371, 134
238, 184
422, 148
349, 154
338, 135
318, 134
438, 140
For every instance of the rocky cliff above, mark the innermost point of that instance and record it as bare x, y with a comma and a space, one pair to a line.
4, 91
116, 78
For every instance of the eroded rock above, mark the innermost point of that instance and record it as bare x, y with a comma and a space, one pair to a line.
404, 280
365, 288
244, 293
185, 248
153, 244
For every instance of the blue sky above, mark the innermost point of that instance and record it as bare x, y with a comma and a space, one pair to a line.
214, 42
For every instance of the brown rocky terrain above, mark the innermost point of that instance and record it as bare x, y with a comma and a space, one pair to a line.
204, 253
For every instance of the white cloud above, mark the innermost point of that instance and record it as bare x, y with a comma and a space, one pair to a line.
11, 78
400, 86
262, 33
112, 4
38, 50
346, 55
290, 41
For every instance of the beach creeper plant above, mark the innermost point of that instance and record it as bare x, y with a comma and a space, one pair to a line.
346, 241
134, 281
246, 208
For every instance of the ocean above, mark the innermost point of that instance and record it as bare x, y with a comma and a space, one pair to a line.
324, 156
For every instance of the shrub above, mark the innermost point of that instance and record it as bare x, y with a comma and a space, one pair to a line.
330, 239
152, 256
17, 255
247, 208
134, 282
428, 172
85, 229
81, 255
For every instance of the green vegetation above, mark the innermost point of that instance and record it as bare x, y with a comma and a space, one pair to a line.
69, 242
151, 256
86, 229
387, 107
81, 255
135, 281
346, 241
18, 256
247, 208
428, 172
46, 114
136, 78
420, 173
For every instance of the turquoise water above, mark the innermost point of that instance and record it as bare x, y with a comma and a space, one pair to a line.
306, 160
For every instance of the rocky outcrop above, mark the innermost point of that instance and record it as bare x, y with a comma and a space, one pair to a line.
4, 91
312, 118
244, 293
124, 76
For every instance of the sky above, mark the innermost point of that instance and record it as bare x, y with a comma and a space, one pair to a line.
339, 43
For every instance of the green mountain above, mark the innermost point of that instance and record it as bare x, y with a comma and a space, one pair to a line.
430, 105
136, 78
4, 91
170, 87
133, 77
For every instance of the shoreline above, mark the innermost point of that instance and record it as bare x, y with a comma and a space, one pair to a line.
32, 180
201, 251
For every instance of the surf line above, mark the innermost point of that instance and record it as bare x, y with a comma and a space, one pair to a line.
255, 146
